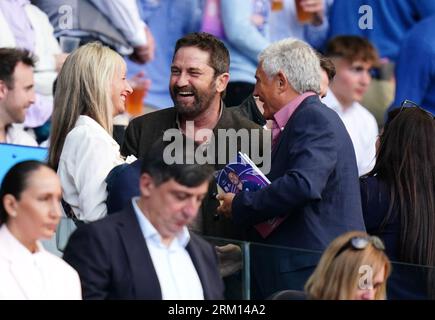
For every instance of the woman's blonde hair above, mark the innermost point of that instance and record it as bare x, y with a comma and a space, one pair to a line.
84, 87
338, 273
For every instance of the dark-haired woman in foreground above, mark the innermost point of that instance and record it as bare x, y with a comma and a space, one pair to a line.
29, 211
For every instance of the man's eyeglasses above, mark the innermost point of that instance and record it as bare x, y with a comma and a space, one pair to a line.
360, 243
410, 104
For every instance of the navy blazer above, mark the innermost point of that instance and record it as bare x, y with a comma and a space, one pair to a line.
122, 185
113, 261
314, 182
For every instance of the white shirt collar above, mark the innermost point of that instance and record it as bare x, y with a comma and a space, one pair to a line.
150, 232
16, 250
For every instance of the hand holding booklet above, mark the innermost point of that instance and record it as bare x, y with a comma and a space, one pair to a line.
244, 175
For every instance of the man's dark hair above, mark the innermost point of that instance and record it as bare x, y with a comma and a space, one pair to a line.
9, 58
327, 65
219, 55
185, 173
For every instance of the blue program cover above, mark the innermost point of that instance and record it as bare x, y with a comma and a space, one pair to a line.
240, 176
244, 175
11, 154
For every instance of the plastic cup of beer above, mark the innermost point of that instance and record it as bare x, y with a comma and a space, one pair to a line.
277, 5
134, 103
69, 44
303, 16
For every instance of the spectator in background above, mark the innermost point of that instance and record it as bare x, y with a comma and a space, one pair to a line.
17, 93
29, 211
327, 74
415, 70
115, 23
353, 58
23, 25
168, 20
245, 25
384, 23
146, 251
398, 195
91, 90
284, 22
353, 267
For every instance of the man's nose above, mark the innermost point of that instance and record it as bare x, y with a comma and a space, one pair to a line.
182, 80
366, 77
191, 208
32, 96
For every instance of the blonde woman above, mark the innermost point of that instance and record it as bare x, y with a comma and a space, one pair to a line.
91, 90
353, 267
30, 211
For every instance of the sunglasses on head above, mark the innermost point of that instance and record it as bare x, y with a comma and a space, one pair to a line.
360, 243
410, 104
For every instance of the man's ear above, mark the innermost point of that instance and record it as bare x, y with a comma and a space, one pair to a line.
222, 82
146, 184
282, 82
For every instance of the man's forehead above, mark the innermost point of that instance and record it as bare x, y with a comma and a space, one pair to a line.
192, 56
356, 62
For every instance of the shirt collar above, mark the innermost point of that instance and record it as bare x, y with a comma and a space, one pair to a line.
18, 250
283, 115
150, 232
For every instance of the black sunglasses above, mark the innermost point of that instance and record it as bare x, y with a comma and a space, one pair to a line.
360, 243
410, 104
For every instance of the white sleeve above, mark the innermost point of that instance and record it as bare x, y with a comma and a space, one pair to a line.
368, 158
124, 15
96, 156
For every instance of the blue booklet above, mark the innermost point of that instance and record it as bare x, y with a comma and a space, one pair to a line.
10, 154
244, 175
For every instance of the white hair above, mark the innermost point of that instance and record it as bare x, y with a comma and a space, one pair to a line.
296, 60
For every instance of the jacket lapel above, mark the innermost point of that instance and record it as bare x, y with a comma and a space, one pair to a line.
143, 274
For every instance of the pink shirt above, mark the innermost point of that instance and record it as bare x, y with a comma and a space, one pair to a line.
282, 116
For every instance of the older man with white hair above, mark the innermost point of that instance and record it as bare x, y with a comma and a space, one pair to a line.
314, 174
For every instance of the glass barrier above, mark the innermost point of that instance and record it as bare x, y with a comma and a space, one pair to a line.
253, 271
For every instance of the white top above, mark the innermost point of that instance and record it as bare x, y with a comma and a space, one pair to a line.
35, 276
16, 135
175, 270
88, 155
362, 128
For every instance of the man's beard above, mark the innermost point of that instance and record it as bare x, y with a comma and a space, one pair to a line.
202, 100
